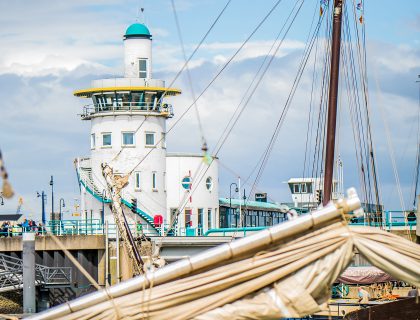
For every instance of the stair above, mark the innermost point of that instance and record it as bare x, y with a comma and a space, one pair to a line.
86, 179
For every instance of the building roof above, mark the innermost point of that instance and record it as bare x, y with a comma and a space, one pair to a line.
137, 30
10, 217
87, 93
253, 204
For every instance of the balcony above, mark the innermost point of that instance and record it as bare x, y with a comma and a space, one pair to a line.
127, 108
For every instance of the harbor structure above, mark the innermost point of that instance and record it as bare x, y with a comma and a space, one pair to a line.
128, 117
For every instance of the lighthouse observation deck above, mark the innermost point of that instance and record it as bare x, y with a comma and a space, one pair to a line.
123, 96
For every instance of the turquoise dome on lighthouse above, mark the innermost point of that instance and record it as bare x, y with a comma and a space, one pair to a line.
137, 30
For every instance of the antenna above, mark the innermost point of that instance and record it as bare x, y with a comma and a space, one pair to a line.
140, 13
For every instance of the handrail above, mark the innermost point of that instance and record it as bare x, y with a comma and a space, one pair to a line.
243, 229
117, 106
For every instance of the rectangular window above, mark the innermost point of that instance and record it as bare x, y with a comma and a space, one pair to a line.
142, 68
209, 212
188, 218
296, 188
150, 139
137, 181
163, 140
164, 181
92, 141
200, 217
304, 188
106, 139
128, 138
154, 186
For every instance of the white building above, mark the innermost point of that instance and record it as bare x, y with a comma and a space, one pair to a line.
128, 126
193, 188
308, 192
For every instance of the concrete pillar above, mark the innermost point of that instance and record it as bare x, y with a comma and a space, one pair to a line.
28, 257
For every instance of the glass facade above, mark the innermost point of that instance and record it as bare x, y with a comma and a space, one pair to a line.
229, 217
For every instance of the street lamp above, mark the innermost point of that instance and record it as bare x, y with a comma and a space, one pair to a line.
103, 206
62, 205
2, 200
52, 196
230, 195
43, 200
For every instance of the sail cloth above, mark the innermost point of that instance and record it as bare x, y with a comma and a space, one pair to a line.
292, 279
364, 275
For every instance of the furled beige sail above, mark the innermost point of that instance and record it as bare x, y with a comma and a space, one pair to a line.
286, 271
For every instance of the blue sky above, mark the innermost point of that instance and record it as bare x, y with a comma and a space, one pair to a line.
51, 48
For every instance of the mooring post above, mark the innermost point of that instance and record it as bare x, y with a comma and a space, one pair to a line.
28, 257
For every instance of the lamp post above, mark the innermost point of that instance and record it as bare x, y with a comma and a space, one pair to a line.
2, 200
62, 205
230, 196
43, 200
52, 196
103, 206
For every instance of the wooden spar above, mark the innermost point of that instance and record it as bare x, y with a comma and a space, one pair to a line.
332, 101
114, 188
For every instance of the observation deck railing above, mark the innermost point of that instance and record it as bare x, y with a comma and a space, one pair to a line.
163, 109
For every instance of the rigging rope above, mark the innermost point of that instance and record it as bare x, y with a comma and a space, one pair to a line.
226, 64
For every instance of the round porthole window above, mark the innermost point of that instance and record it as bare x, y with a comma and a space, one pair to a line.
209, 183
186, 183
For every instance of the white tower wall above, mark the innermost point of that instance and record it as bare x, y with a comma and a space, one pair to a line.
124, 158
135, 49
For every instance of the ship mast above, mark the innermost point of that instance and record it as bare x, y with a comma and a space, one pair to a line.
332, 101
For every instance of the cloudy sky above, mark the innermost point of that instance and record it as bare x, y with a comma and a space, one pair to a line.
51, 48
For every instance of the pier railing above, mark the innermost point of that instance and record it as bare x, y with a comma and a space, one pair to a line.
392, 220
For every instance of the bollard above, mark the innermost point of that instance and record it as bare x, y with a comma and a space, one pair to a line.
28, 257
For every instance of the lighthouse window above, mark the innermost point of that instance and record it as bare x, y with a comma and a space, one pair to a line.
137, 180
142, 68
106, 139
128, 138
150, 139
92, 141
154, 181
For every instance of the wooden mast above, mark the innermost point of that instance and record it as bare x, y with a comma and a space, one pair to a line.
332, 101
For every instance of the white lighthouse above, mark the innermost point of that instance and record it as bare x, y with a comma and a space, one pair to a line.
128, 125
128, 119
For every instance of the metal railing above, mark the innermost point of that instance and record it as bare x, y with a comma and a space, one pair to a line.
125, 106
11, 274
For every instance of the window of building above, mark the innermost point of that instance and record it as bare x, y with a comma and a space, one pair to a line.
296, 188
154, 185
142, 68
164, 181
163, 140
174, 216
150, 139
209, 218
200, 222
304, 188
128, 138
209, 183
106, 139
188, 218
186, 182
137, 180
92, 141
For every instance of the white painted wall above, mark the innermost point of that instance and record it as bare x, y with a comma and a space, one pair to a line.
134, 49
124, 158
179, 166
